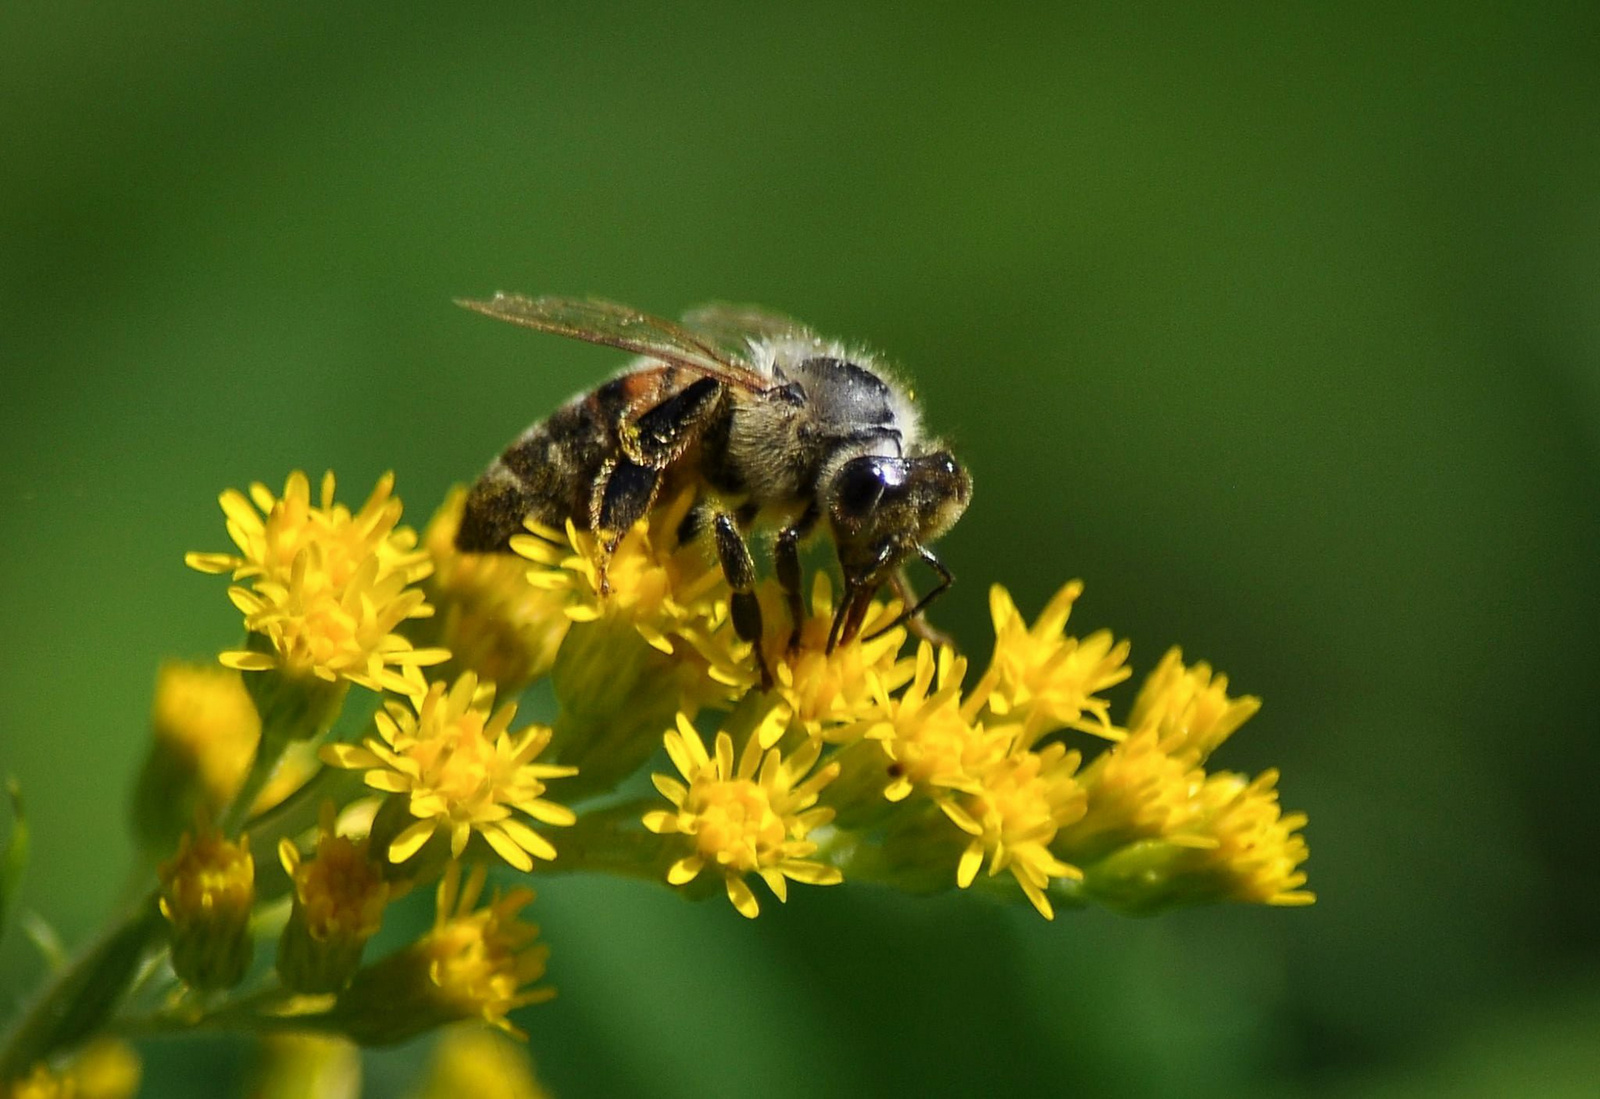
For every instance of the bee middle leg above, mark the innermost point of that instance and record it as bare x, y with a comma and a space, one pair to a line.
740, 570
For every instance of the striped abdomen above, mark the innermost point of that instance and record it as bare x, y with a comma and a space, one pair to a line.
548, 472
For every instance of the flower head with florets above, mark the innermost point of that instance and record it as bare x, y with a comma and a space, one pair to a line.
750, 816
453, 759
324, 589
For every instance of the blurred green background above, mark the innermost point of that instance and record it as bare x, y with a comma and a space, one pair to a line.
1279, 327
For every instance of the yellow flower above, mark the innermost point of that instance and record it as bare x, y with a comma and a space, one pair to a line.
460, 770
41, 1083
481, 1063
475, 963
207, 891
673, 593
1044, 680
1239, 846
306, 1066
1189, 707
1025, 797
829, 694
326, 588
204, 714
1257, 850
1136, 790
205, 734
104, 1069
931, 744
493, 621
339, 898
750, 817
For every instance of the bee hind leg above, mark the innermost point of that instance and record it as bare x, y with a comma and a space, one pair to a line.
624, 493
740, 570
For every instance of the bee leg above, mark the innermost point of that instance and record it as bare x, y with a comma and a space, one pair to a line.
920, 627
861, 583
912, 616
786, 562
627, 486
741, 573
694, 521
623, 494
662, 432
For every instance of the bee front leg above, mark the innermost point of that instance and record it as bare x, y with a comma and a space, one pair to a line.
786, 562
911, 607
740, 570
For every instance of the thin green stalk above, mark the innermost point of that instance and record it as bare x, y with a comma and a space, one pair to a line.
81, 997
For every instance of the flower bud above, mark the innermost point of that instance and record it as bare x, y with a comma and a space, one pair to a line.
207, 891
473, 964
339, 897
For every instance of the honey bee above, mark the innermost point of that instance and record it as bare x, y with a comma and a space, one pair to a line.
766, 422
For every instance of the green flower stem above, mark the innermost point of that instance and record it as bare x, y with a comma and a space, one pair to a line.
611, 841
617, 695
267, 756
299, 811
255, 1012
292, 708
866, 861
81, 997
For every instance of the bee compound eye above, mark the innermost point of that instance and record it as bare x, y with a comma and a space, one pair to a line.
860, 487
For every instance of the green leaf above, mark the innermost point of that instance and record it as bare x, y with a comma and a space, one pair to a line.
14, 859
45, 939
82, 997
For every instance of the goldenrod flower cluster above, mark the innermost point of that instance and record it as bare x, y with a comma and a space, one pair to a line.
877, 760
324, 588
104, 1069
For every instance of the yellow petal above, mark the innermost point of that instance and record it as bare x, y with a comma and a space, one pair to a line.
244, 660
812, 873
772, 727
743, 899
410, 841
684, 870
213, 563
971, 860
670, 788
1036, 895
548, 812
527, 839
507, 849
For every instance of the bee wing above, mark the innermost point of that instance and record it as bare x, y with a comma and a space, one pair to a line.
605, 322
734, 325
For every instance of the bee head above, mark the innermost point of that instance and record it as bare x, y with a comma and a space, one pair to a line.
883, 509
